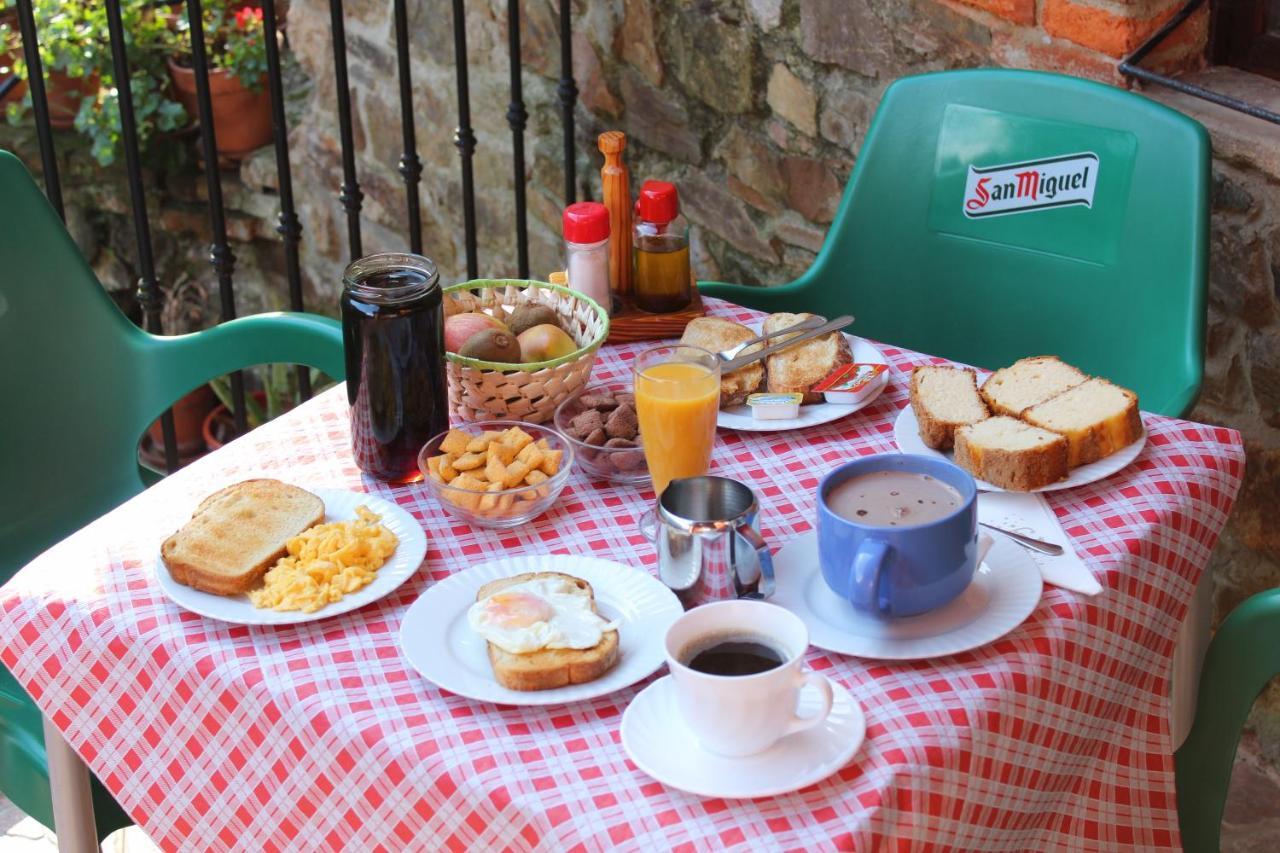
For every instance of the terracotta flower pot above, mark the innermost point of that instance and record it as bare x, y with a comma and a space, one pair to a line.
188, 421
64, 95
241, 117
7, 58
219, 423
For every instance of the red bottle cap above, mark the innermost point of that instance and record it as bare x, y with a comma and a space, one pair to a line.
659, 203
586, 222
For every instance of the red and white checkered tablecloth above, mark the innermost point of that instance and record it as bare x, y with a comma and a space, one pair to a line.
217, 736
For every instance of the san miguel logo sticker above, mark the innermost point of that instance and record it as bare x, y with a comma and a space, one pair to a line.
1033, 185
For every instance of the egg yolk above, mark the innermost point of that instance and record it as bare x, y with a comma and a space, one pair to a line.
517, 610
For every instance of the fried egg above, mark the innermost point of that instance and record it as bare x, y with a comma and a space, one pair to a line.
546, 613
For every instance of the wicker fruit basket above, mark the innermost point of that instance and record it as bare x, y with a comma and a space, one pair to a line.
482, 390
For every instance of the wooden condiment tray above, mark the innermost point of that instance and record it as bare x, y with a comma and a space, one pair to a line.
632, 324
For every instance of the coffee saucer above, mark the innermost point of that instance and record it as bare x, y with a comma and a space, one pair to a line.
658, 742
1005, 590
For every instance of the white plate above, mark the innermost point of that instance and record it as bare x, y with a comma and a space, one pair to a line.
739, 417
1005, 590
657, 741
338, 506
906, 434
441, 646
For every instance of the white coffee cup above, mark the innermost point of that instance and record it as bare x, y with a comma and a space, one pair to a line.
736, 715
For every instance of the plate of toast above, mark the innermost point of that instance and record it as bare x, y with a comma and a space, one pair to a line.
1038, 425
793, 370
264, 552
544, 629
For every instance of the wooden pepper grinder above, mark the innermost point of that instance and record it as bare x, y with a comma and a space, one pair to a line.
616, 183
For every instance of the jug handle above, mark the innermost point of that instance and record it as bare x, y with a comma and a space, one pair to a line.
647, 524
755, 540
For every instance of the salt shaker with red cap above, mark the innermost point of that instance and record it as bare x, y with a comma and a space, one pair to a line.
661, 282
586, 244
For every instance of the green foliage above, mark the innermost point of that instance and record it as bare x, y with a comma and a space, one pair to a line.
233, 37
279, 382
74, 41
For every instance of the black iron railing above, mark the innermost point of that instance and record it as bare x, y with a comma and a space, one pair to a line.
1131, 67
349, 194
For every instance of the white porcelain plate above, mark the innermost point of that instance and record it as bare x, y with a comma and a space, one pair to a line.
739, 417
657, 741
1005, 590
440, 645
906, 434
338, 506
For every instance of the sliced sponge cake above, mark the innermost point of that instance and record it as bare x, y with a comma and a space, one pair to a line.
1011, 454
1096, 417
1014, 389
943, 399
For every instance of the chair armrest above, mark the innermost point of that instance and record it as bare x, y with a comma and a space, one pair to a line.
176, 364
1243, 656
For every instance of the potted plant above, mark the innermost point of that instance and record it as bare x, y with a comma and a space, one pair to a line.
277, 395
234, 44
75, 53
186, 309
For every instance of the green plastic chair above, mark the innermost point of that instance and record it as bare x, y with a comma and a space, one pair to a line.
1117, 287
1242, 658
80, 384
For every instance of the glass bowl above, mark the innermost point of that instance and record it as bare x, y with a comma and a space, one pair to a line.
625, 465
503, 508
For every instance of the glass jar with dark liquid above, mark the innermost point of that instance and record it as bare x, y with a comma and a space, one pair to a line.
393, 330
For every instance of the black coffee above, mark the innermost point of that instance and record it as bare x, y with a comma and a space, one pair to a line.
735, 656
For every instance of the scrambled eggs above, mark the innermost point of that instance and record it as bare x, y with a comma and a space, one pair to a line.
326, 562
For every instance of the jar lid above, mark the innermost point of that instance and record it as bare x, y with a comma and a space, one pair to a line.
659, 202
389, 278
586, 222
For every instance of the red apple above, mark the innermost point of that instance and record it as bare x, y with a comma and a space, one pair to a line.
460, 327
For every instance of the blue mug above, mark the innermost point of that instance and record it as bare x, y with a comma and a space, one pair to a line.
899, 571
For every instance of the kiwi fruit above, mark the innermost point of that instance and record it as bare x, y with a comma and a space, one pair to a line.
492, 345
529, 315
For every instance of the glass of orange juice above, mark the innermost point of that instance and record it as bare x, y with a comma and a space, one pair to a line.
677, 398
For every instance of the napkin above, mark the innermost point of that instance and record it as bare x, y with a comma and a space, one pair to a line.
1029, 513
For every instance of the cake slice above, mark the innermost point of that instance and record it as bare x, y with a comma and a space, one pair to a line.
1096, 417
943, 399
796, 369
1011, 454
1014, 389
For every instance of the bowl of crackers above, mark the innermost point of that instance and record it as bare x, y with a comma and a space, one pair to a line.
497, 474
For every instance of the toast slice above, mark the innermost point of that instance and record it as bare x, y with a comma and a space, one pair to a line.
236, 534
717, 334
1011, 454
796, 369
1096, 417
550, 668
1027, 382
944, 399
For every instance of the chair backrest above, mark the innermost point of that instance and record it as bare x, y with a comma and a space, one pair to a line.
995, 214
70, 364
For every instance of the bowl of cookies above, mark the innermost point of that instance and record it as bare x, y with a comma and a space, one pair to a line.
601, 426
497, 474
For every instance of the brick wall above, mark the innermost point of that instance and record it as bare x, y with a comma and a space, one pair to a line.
1087, 37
